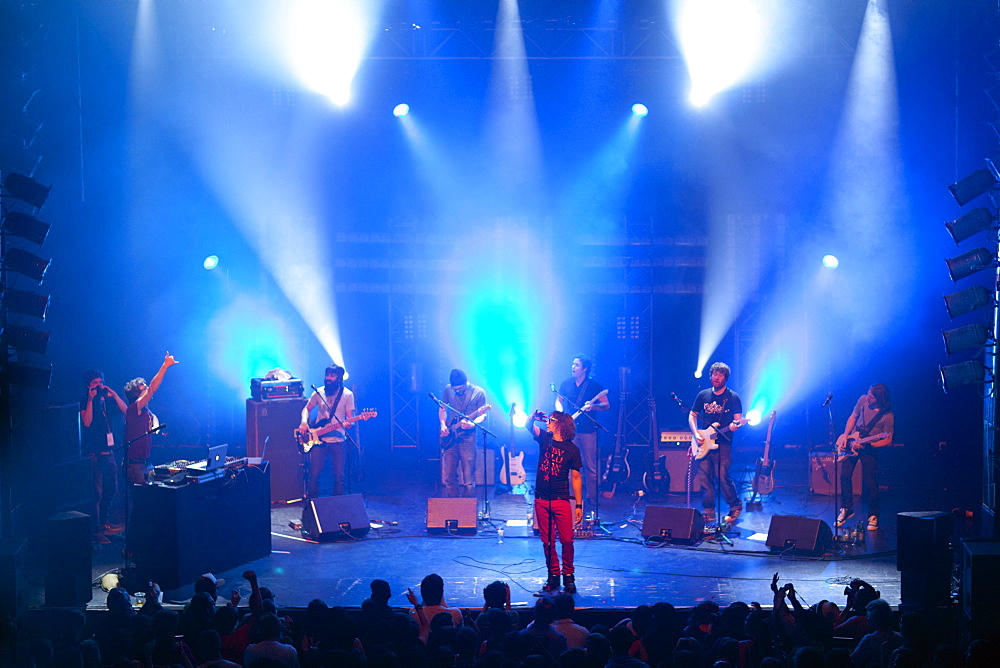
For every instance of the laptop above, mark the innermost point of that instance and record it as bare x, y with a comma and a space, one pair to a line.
216, 460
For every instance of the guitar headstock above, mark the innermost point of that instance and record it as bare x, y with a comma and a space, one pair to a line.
367, 414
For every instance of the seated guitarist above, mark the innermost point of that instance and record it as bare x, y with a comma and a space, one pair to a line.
717, 405
333, 403
871, 415
458, 436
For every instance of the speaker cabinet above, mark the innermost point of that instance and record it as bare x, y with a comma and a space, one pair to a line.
922, 542
452, 516
68, 569
980, 587
491, 466
677, 525
13, 580
270, 435
336, 517
822, 475
802, 534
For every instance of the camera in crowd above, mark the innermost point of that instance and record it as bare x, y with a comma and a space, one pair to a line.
102, 391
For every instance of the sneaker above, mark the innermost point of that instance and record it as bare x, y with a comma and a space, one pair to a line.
733, 514
551, 585
843, 516
708, 516
109, 529
873, 523
101, 539
569, 584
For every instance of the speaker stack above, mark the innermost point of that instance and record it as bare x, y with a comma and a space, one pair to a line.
980, 587
336, 518
68, 573
270, 434
924, 558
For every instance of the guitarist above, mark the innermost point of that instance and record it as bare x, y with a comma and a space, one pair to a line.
871, 415
459, 435
333, 403
578, 394
722, 406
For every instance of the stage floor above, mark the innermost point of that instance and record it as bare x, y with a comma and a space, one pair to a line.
615, 569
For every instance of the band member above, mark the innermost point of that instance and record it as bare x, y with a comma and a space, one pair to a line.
721, 407
334, 403
139, 420
98, 443
559, 465
872, 415
578, 393
458, 436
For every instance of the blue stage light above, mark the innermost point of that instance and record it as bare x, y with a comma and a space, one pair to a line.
211, 262
639, 110
400, 110
831, 261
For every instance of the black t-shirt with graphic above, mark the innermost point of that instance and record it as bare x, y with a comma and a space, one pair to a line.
555, 460
717, 408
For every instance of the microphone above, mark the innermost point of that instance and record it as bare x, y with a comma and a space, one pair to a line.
679, 402
431, 395
829, 398
552, 386
314, 389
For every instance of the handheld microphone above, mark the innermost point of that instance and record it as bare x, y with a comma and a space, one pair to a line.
679, 402
829, 398
552, 386
431, 395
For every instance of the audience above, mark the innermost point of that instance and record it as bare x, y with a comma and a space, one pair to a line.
433, 634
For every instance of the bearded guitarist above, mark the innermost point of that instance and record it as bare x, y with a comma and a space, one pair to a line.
458, 435
333, 403
871, 415
581, 395
721, 406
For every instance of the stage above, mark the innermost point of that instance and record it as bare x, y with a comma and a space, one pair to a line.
615, 568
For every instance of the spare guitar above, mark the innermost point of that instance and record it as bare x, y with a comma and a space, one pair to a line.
763, 480
588, 404
851, 449
618, 470
454, 433
315, 433
512, 474
656, 479
710, 435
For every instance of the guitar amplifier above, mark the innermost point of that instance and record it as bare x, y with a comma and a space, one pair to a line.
681, 437
268, 390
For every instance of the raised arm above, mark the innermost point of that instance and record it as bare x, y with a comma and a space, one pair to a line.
154, 385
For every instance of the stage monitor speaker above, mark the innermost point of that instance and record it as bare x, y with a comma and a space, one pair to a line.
676, 525
452, 516
336, 517
822, 470
923, 542
802, 534
68, 574
270, 435
13, 578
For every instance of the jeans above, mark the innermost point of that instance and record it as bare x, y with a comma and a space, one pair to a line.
336, 452
555, 518
869, 481
457, 468
705, 476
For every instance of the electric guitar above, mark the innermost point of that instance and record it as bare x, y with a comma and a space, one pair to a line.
655, 479
710, 435
618, 469
454, 433
589, 403
850, 448
314, 434
512, 474
763, 480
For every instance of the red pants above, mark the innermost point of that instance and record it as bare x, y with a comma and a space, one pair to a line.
555, 518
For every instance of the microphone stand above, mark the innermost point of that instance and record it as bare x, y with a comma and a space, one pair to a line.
569, 403
485, 517
828, 404
127, 576
718, 533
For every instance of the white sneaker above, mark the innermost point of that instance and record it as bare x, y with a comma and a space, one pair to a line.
873, 523
843, 516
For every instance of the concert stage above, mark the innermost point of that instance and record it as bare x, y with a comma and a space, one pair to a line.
616, 569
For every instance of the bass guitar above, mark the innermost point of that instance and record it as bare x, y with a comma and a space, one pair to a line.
591, 402
850, 447
314, 434
618, 469
763, 480
454, 433
710, 437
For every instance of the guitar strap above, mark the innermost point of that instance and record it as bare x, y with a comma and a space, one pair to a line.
583, 390
866, 430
